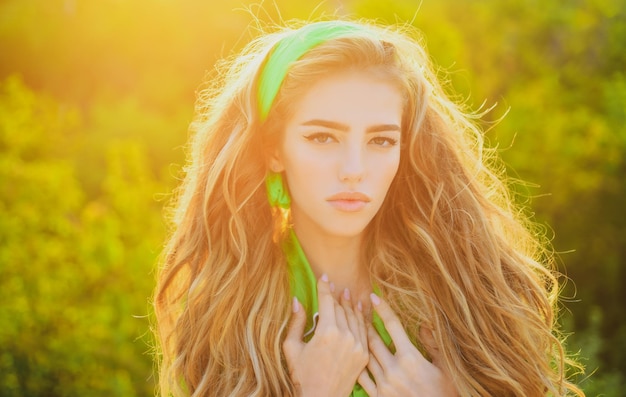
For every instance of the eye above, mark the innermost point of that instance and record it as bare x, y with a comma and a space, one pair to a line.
384, 141
321, 138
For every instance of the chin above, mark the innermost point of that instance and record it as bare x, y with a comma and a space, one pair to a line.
352, 230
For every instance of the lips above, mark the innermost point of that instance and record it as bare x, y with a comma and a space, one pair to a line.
348, 201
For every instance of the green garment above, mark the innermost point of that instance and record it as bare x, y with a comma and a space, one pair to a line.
304, 287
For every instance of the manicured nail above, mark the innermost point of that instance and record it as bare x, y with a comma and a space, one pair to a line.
359, 306
346, 294
375, 299
296, 305
325, 277
332, 287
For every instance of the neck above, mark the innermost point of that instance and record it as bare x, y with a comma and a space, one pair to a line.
340, 259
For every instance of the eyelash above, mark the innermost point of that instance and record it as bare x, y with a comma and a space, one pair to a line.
315, 137
387, 142
326, 137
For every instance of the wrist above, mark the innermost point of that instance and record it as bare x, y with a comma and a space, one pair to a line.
312, 390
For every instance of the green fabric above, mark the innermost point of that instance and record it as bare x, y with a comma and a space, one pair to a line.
277, 195
304, 286
289, 50
302, 280
378, 323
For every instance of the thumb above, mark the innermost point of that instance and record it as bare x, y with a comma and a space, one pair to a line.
293, 341
427, 338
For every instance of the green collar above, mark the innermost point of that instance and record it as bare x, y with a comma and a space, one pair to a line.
304, 286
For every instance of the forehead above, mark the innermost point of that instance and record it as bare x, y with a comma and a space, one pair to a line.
353, 97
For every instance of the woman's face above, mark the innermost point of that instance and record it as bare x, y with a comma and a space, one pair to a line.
340, 152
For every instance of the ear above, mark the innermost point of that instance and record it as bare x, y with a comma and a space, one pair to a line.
275, 162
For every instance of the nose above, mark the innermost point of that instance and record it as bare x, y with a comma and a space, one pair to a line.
352, 164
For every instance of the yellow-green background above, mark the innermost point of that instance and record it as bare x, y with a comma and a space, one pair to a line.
95, 100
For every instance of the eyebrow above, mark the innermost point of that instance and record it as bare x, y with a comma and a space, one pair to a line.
345, 128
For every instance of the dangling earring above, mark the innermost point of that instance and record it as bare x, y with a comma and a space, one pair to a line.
277, 194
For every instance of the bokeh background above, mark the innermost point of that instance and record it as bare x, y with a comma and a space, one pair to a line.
95, 100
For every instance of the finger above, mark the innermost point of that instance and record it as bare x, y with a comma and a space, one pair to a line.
367, 383
340, 317
427, 339
362, 332
378, 350
345, 296
293, 340
351, 317
375, 368
326, 303
392, 323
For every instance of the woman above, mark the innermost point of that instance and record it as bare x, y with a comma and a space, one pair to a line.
341, 231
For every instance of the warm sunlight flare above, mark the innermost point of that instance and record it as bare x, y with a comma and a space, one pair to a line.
96, 102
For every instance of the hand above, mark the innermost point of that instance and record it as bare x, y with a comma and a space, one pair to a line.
407, 373
329, 364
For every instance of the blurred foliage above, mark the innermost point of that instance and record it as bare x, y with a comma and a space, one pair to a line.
95, 99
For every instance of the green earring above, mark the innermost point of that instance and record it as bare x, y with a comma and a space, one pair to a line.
277, 193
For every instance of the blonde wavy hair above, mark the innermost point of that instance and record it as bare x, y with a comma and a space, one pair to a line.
448, 248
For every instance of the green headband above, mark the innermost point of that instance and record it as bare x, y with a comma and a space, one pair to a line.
289, 50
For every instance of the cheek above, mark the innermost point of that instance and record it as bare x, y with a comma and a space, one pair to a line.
298, 164
304, 174
389, 168
302, 160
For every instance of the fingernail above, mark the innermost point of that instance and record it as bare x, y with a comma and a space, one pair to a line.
375, 299
332, 287
296, 305
346, 294
325, 277
359, 306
